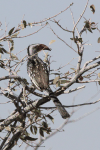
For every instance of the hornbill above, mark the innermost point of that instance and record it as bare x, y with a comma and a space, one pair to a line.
39, 75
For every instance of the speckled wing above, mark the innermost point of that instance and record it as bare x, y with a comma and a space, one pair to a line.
38, 73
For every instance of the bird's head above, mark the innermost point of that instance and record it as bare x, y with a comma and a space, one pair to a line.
35, 48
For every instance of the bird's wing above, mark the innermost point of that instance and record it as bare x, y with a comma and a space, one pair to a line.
38, 74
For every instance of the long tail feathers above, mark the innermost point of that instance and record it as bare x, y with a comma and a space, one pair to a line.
64, 114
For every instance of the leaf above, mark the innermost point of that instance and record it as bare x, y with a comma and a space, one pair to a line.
2, 50
52, 41
25, 81
41, 132
12, 44
2, 64
31, 129
30, 24
0, 56
98, 75
12, 82
15, 35
14, 56
99, 40
8, 128
22, 25
56, 79
11, 31
45, 125
12, 48
67, 73
28, 138
14, 89
80, 40
2, 120
48, 131
24, 22
93, 28
89, 30
71, 38
63, 81
92, 8
87, 24
73, 69
51, 118
92, 23
58, 84
35, 129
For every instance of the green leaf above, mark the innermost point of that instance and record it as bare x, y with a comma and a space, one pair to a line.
12, 48
2, 120
11, 31
93, 28
24, 22
35, 129
2, 50
48, 131
51, 118
45, 125
80, 40
28, 138
2, 64
41, 131
25, 81
89, 30
87, 24
99, 82
31, 129
12, 44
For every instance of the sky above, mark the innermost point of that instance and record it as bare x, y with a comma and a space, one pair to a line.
81, 134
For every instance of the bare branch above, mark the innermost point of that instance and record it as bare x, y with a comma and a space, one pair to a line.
69, 91
53, 16
62, 40
81, 15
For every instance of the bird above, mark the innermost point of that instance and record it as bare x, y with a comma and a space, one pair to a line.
39, 75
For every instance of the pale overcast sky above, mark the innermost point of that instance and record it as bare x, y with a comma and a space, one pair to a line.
85, 133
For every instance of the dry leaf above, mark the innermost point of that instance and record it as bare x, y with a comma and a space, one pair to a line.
52, 41
92, 8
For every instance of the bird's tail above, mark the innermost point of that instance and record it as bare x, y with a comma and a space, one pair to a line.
64, 114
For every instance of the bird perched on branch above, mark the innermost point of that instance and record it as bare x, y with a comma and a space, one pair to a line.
39, 75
